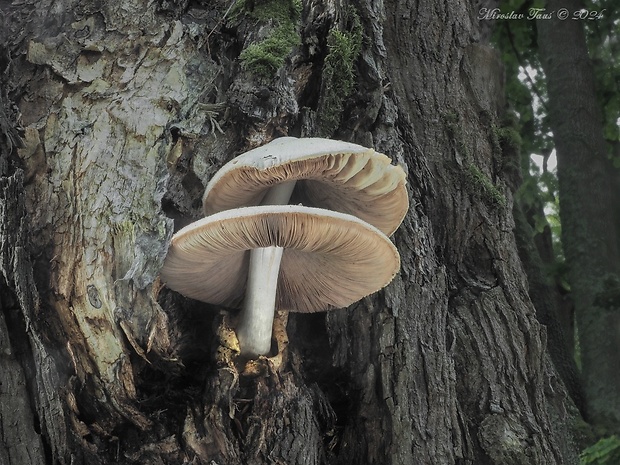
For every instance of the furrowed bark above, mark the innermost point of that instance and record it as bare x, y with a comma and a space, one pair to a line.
21, 442
128, 108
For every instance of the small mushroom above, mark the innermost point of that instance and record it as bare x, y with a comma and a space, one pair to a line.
330, 174
324, 260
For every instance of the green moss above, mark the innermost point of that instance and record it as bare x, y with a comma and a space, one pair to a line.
482, 185
510, 137
265, 57
338, 73
506, 141
604, 452
476, 181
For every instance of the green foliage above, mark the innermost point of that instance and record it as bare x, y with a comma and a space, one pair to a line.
604, 452
526, 96
266, 56
526, 93
603, 40
525, 83
339, 73
538, 194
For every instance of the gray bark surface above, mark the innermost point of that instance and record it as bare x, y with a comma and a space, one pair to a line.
20, 442
127, 110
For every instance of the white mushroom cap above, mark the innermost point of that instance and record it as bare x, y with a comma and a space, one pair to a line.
330, 259
330, 174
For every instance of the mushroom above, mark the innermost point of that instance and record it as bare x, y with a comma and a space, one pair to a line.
323, 260
330, 174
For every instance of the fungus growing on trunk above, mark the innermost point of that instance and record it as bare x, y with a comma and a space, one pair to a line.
331, 174
362, 185
323, 260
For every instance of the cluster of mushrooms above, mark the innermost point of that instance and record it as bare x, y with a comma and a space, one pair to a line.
297, 224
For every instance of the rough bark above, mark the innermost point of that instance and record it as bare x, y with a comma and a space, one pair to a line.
587, 209
547, 300
128, 108
20, 436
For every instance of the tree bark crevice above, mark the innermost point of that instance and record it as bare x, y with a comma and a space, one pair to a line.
36, 400
119, 142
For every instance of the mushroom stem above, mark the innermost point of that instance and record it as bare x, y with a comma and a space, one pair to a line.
279, 194
256, 321
255, 327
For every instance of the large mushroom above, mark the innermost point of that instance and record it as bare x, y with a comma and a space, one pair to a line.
322, 260
324, 173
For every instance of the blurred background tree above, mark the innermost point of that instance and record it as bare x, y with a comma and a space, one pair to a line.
563, 82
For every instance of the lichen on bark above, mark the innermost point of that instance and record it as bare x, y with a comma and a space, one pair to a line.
103, 178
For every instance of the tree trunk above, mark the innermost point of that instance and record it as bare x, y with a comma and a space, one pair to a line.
587, 209
127, 110
546, 297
